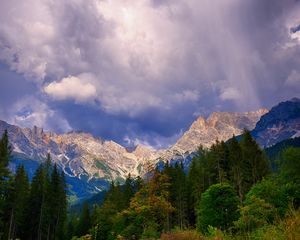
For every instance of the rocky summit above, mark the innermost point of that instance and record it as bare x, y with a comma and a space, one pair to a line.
91, 162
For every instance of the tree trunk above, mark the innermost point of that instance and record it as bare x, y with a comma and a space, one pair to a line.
11, 224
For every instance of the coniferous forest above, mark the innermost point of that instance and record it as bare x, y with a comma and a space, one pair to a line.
230, 191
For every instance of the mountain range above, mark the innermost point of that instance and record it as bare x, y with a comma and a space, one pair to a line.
90, 163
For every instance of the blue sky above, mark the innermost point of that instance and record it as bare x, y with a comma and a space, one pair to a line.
142, 71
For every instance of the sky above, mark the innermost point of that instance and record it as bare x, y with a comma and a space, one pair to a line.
140, 72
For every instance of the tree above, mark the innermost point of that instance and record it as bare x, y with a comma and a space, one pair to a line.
236, 166
197, 182
148, 211
256, 213
17, 204
84, 221
290, 164
289, 173
218, 207
272, 192
177, 195
255, 163
5, 152
56, 204
47, 203
128, 191
35, 207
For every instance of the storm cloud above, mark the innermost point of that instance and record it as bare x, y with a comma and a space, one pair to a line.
142, 71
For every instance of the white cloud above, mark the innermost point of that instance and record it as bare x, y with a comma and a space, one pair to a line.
230, 93
141, 53
72, 88
30, 111
293, 79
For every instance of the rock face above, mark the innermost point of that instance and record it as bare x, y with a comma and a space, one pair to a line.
91, 163
88, 162
282, 122
219, 125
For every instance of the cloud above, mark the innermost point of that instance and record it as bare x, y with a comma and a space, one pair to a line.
151, 63
230, 93
72, 88
293, 79
30, 111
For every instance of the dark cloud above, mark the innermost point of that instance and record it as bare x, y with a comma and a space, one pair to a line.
141, 71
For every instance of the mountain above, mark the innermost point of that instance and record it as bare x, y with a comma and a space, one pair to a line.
91, 163
219, 125
280, 123
275, 151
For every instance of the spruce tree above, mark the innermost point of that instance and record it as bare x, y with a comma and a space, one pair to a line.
236, 172
255, 163
84, 221
128, 191
5, 152
17, 204
179, 189
35, 214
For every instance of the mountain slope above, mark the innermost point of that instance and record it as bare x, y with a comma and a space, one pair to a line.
91, 163
219, 125
280, 123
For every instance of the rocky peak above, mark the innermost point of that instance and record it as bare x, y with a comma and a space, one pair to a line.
219, 125
281, 122
199, 123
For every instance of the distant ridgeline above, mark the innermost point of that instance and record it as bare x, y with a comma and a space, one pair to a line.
90, 163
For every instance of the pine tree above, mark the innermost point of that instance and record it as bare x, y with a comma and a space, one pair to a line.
255, 163
180, 195
84, 221
17, 204
197, 180
56, 205
5, 152
128, 191
236, 166
36, 200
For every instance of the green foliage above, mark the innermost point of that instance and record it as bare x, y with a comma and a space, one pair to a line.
290, 165
289, 173
5, 151
218, 207
255, 214
177, 195
84, 221
47, 203
148, 212
16, 205
272, 192
255, 163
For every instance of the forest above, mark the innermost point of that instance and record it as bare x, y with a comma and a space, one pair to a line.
232, 190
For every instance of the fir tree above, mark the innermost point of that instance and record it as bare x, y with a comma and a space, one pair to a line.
35, 212
84, 221
255, 162
17, 204
236, 167
5, 152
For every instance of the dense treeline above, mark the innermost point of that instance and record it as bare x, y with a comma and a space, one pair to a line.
229, 187
35, 210
229, 191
